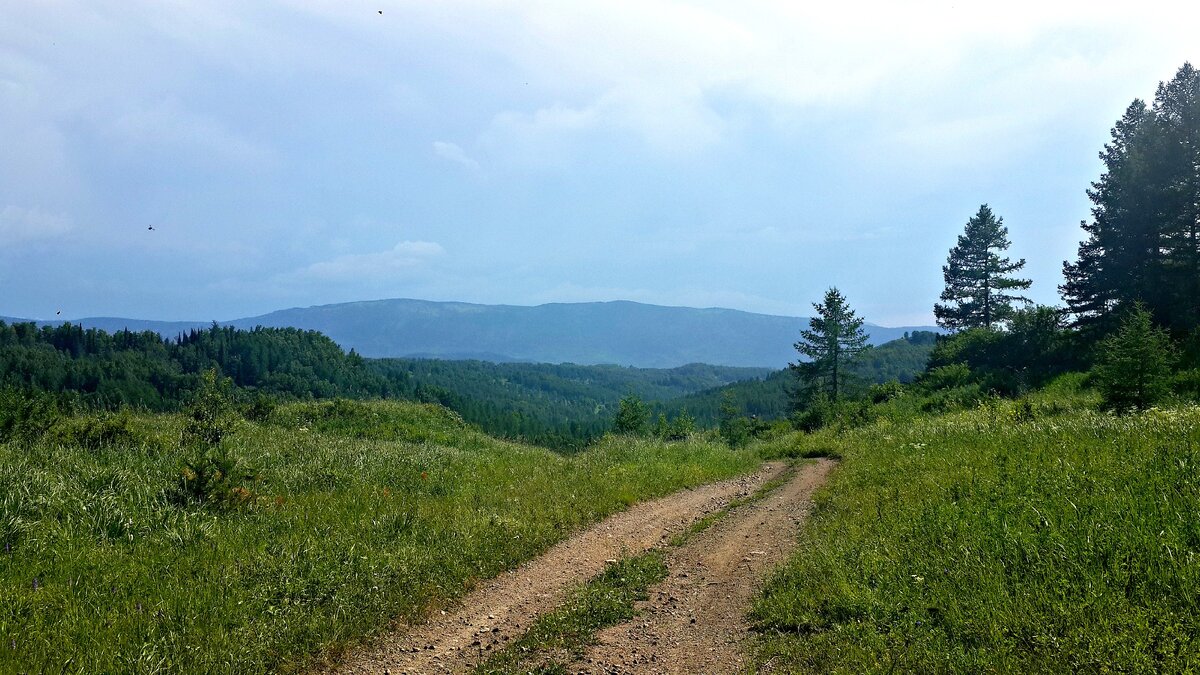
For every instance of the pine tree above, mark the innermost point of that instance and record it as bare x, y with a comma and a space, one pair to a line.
1177, 111
1143, 243
1119, 259
835, 338
978, 280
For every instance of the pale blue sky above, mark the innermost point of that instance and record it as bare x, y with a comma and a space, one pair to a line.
743, 155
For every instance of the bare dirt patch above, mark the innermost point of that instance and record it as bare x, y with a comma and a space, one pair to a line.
694, 622
501, 609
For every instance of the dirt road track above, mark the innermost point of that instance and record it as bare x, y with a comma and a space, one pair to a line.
728, 557
694, 621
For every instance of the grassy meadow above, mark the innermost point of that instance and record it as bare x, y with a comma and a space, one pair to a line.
344, 516
1028, 536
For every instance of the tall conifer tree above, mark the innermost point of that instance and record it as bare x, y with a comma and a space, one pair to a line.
1143, 243
835, 338
978, 279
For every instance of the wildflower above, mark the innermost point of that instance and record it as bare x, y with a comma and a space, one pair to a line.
35, 583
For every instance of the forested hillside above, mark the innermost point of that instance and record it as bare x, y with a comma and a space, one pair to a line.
561, 406
148, 371
771, 397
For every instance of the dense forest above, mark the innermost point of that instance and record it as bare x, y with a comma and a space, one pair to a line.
557, 405
562, 406
147, 371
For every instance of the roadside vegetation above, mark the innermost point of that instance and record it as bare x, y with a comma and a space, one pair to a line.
204, 542
1035, 535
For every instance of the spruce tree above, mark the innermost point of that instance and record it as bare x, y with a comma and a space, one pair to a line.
1135, 363
978, 279
835, 338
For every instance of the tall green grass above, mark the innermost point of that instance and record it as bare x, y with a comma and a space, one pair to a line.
359, 514
1021, 536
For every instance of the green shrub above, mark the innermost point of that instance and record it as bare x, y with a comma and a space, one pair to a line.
260, 409
210, 413
216, 478
681, 427
26, 416
213, 475
948, 376
97, 431
1186, 383
633, 417
379, 420
886, 391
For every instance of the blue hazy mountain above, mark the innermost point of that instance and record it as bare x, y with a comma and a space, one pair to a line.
619, 332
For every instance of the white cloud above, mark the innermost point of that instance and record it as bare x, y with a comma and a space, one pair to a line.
399, 261
168, 124
454, 153
672, 122
18, 224
658, 68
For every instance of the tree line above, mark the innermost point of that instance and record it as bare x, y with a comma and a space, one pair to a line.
1131, 297
146, 370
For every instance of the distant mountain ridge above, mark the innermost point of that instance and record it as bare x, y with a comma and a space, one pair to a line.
619, 332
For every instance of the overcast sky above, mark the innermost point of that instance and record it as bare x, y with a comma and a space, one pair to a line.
739, 154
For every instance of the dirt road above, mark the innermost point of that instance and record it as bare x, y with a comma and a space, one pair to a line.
712, 578
695, 620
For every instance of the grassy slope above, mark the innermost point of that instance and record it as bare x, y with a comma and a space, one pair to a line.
1010, 538
362, 513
